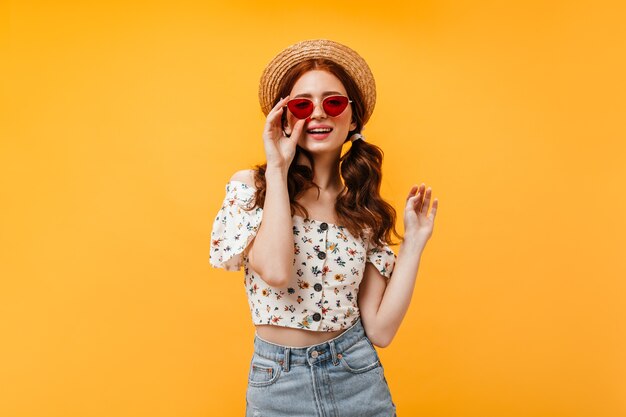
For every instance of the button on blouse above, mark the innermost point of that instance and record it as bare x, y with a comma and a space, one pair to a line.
328, 266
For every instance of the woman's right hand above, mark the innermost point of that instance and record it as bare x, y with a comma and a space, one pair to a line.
280, 149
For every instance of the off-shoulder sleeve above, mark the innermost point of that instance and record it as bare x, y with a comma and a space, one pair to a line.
234, 227
383, 258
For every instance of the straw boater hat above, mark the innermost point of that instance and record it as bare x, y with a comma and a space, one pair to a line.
352, 62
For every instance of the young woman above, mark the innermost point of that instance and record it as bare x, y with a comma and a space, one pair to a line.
312, 233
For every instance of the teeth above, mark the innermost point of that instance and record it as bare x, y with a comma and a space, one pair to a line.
320, 130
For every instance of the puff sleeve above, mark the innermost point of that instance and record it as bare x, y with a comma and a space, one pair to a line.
234, 227
383, 258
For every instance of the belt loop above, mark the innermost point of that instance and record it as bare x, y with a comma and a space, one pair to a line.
286, 359
333, 352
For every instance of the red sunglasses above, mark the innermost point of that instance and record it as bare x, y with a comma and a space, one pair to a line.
333, 106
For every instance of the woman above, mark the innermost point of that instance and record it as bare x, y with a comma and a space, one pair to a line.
318, 268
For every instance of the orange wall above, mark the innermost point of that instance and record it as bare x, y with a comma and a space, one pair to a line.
121, 123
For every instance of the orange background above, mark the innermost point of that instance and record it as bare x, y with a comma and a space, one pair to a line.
122, 121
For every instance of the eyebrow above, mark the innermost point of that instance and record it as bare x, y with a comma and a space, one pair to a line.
326, 93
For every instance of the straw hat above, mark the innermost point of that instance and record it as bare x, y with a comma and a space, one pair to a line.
347, 58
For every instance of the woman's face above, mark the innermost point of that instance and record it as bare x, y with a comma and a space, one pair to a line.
317, 85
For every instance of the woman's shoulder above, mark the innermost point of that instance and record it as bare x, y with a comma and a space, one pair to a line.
246, 176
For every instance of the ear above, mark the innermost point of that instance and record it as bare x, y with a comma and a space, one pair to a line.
352, 125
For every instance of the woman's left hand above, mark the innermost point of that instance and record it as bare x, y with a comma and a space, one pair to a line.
418, 223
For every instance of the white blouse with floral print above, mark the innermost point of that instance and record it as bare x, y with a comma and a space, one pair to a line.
327, 268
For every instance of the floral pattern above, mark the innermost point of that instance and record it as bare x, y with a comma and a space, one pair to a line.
328, 266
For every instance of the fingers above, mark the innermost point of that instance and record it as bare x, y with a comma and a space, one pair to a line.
277, 110
412, 192
297, 130
417, 203
426, 202
433, 211
281, 103
419, 199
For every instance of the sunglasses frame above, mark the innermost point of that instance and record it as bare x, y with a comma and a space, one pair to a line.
323, 100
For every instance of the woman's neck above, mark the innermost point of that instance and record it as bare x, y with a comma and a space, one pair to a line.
326, 172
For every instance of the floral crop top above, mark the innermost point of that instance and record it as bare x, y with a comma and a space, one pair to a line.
328, 266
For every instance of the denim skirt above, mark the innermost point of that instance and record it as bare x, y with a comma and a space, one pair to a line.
341, 377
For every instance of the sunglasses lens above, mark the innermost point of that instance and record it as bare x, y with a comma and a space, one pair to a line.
335, 105
300, 107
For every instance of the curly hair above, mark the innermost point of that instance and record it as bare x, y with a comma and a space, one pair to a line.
359, 207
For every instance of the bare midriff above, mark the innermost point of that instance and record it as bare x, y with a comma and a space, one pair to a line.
289, 336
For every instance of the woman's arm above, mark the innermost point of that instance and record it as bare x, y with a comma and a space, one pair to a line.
383, 306
270, 253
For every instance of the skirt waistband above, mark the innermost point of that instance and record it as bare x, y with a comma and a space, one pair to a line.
328, 350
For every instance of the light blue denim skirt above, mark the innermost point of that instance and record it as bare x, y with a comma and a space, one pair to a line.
341, 377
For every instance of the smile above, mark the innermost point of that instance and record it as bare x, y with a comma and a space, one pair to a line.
319, 130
